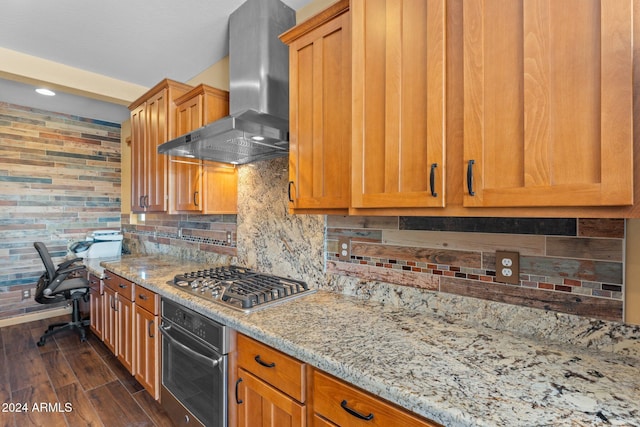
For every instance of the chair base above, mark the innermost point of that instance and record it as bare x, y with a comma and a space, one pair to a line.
76, 323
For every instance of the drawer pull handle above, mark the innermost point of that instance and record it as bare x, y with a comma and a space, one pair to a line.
289, 191
470, 177
238, 401
143, 297
263, 363
356, 413
432, 180
122, 286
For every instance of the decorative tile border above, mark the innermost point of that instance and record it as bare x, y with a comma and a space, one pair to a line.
582, 287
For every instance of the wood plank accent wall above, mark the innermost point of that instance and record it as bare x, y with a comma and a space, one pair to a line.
566, 265
59, 179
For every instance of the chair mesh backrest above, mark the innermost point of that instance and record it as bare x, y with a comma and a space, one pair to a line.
46, 260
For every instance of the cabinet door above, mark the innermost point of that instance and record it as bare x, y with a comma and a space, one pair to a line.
109, 328
124, 335
138, 158
548, 102
96, 315
157, 110
320, 117
263, 405
398, 103
147, 351
186, 173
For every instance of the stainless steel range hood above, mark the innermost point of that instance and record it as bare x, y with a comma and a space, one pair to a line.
258, 126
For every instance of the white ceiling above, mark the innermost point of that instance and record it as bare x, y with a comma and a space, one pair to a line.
137, 41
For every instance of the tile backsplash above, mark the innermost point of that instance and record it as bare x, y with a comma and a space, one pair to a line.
571, 266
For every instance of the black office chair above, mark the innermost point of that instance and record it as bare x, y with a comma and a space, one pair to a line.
55, 285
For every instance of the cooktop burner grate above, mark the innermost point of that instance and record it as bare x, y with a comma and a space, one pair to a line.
240, 288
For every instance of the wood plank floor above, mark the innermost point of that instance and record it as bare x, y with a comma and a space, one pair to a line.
68, 383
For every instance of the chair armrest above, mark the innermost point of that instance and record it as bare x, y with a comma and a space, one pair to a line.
66, 271
61, 276
67, 263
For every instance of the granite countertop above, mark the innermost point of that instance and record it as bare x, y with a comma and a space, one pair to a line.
451, 372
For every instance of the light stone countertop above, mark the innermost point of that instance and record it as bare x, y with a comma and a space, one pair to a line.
451, 372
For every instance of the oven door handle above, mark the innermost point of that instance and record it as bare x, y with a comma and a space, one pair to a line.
213, 362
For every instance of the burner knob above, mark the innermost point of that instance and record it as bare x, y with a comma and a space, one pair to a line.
195, 284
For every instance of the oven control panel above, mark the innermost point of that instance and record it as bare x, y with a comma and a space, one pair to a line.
204, 328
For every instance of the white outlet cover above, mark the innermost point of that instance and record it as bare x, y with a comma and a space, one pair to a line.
507, 262
507, 272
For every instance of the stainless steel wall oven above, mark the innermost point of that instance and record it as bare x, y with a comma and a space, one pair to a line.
194, 367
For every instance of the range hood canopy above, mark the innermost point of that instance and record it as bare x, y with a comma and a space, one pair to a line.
258, 126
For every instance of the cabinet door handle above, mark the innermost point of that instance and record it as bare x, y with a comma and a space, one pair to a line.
263, 363
141, 202
195, 198
470, 177
356, 413
238, 401
432, 179
151, 334
289, 191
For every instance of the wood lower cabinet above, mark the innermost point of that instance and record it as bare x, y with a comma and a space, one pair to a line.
548, 103
320, 112
96, 305
266, 406
152, 121
147, 343
201, 185
399, 93
110, 327
345, 405
270, 387
119, 332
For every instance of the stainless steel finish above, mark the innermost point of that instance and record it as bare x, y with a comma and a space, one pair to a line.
240, 288
258, 91
194, 367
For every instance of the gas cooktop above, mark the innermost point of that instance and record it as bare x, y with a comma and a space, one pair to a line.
240, 288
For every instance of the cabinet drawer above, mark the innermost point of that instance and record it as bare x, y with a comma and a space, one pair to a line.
95, 284
147, 299
120, 285
281, 371
339, 402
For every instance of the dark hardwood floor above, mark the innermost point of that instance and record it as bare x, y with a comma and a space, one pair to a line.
68, 383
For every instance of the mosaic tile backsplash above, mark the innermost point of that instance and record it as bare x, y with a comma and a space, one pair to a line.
192, 236
567, 265
60, 177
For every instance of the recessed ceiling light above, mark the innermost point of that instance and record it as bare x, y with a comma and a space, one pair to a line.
47, 92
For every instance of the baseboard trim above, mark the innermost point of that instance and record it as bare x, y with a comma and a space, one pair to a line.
38, 315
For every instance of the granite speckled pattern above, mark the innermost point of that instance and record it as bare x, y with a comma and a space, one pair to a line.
445, 369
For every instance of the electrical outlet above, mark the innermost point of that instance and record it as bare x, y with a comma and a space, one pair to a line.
508, 267
228, 237
344, 248
26, 294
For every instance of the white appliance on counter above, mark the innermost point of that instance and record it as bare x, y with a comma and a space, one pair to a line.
99, 244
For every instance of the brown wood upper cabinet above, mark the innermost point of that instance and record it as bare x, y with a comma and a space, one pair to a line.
151, 125
398, 148
548, 109
200, 185
320, 112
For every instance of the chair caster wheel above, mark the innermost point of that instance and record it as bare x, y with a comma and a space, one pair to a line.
41, 342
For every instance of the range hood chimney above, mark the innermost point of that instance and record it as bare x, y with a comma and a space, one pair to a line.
258, 126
